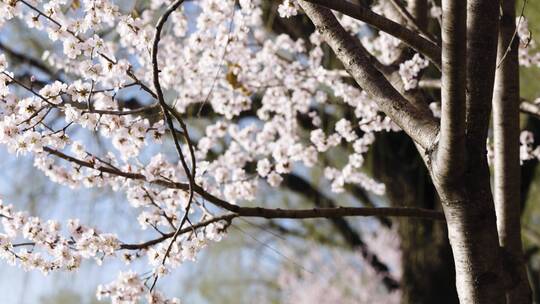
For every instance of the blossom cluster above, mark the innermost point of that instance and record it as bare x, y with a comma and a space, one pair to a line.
288, 8
287, 89
526, 150
130, 288
32, 243
528, 55
410, 69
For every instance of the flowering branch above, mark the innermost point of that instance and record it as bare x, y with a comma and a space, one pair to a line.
418, 123
419, 43
297, 214
104, 56
166, 112
264, 212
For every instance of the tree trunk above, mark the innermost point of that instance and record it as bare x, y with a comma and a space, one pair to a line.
459, 165
428, 267
507, 167
464, 187
470, 216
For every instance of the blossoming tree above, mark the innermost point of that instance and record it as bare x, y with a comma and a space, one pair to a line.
140, 80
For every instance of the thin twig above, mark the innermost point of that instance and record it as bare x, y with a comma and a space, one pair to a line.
220, 63
412, 21
509, 47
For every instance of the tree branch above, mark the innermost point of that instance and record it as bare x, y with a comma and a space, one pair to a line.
482, 29
140, 246
301, 186
415, 41
418, 123
257, 211
450, 161
167, 115
402, 10
506, 151
25, 59
529, 108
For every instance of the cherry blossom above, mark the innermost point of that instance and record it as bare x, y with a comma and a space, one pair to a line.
242, 107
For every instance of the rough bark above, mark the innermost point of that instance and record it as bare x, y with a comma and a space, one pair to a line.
507, 167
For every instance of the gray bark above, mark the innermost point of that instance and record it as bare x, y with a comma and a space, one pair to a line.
450, 158
507, 167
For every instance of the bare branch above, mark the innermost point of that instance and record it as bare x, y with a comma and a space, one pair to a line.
430, 83
482, 29
339, 212
529, 108
412, 21
25, 59
296, 214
